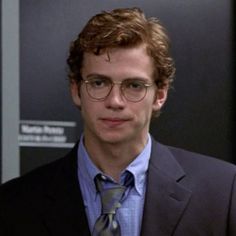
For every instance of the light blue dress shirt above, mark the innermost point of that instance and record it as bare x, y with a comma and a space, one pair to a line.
130, 213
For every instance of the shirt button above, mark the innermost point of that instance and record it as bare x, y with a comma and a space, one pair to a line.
103, 177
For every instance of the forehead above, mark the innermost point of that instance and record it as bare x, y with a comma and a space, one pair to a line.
119, 62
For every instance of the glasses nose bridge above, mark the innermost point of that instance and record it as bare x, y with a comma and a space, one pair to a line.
116, 83
119, 83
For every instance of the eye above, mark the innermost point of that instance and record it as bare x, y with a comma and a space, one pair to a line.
98, 82
134, 85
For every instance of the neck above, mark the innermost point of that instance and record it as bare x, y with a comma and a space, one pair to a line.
112, 158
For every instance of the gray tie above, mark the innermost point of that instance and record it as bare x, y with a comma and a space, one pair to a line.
106, 224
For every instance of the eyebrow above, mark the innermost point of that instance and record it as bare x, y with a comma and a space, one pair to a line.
97, 75
94, 75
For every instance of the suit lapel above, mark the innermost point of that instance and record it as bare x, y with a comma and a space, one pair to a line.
166, 199
65, 214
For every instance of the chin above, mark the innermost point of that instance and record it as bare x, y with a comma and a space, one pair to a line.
113, 140
118, 138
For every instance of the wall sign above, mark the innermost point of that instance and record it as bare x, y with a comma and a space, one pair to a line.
58, 134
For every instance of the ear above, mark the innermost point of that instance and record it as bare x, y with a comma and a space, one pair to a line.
75, 93
160, 98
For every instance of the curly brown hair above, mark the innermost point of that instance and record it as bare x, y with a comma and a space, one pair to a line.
125, 28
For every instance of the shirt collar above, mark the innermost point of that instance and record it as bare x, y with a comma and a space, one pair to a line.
138, 167
86, 168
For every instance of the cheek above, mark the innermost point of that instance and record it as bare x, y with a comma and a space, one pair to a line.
85, 103
88, 108
143, 112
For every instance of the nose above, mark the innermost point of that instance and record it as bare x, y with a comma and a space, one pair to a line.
115, 99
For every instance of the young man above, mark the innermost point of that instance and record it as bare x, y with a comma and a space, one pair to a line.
118, 180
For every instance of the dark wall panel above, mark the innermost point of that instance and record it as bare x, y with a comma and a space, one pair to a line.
233, 63
198, 114
0, 91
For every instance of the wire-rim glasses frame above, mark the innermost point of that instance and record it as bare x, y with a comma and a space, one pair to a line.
133, 90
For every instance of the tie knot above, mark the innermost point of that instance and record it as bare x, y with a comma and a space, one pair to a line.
111, 197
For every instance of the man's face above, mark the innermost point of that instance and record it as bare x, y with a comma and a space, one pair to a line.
115, 119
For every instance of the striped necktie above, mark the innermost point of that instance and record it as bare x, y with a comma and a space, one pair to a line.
106, 224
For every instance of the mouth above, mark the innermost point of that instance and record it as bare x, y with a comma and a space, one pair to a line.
112, 122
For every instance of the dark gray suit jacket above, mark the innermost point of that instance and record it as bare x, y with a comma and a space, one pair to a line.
187, 195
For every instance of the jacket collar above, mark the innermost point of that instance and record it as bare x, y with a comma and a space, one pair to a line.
65, 214
166, 198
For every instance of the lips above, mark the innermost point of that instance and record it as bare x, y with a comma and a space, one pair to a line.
114, 121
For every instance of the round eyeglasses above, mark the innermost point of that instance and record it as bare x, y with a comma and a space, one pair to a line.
99, 88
